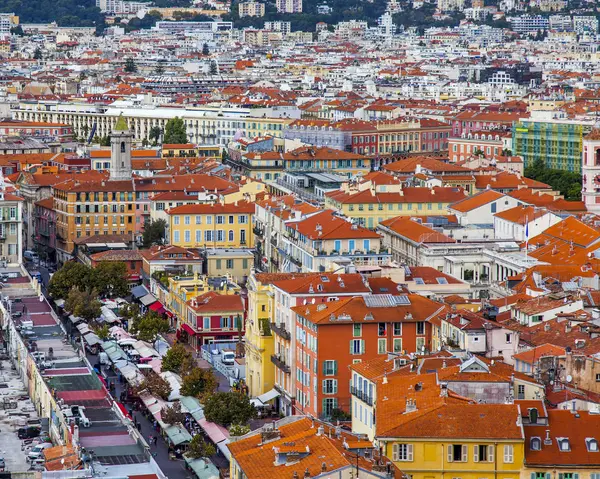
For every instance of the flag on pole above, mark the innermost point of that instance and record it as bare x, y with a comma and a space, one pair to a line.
526, 232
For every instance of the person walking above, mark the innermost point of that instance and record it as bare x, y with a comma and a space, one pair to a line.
150, 439
155, 440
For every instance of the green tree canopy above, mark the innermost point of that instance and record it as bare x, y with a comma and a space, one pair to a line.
199, 448
567, 182
154, 233
83, 303
205, 50
227, 408
175, 132
172, 414
199, 383
154, 134
175, 358
110, 279
149, 326
71, 274
156, 386
130, 66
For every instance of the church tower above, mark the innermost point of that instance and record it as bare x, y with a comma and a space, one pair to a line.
120, 160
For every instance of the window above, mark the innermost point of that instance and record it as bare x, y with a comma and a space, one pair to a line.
381, 329
598, 378
220, 236
231, 236
357, 346
402, 452
535, 444
176, 220
230, 219
483, 453
357, 332
186, 220
382, 346
176, 237
208, 235
220, 219
198, 236
206, 323
330, 367
508, 454
329, 404
397, 345
421, 327
508, 338
457, 453
521, 391
218, 264
187, 236
229, 264
330, 386
563, 444
198, 220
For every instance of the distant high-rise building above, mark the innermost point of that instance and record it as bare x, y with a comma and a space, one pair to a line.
284, 27
450, 5
583, 24
289, 6
7, 22
590, 170
251, 9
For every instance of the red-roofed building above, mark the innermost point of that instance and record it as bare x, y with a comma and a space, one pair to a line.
213, 316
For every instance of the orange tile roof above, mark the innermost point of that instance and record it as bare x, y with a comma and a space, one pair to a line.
326, 226
521, 214
239, 207
472, 202
535, 354
213, 302
415, 231
355, 310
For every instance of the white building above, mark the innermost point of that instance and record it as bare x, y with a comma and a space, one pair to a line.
289, 6
585, 24
523, 222
7, 21
284, 27
386, 25
529, 23
480, 209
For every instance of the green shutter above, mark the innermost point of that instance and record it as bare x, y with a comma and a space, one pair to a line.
323, 385
533, 475
335, 370
324, 367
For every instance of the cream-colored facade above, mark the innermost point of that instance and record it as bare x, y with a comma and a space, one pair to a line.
260, 371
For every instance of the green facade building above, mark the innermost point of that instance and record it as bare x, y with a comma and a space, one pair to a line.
557, 143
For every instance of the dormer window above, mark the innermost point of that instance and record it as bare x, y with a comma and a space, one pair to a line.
563, 444
535, 444
591, 444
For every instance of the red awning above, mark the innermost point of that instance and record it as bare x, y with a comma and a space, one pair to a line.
124, 410
169, 313
158, 307
188, 329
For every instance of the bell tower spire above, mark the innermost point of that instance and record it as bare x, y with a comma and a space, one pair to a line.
120, 140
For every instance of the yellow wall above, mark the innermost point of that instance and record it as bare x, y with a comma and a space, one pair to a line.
238, 269
373, 213
260, 371
178, 236
430, 460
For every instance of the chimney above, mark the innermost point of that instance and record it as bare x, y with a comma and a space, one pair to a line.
548, 440
320, 431
444, 390
411, 405
323, 467
306, 472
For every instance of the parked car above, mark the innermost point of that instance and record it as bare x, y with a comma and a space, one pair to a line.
37, 452
29, 432
31, 256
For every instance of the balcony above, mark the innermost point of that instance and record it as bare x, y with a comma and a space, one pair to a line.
277, 361
296, 261
362, 395
258, 231
273, 241
281, 331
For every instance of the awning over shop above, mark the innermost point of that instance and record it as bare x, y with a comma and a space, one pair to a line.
83, 328
145, 350
268, 396
158, 307
215, 432
148, 299
59, 303
113, 351
177, 434
222, 446
139, 292
92, 339
108, 315
193, 407
75, 319
188, 329
203, 469
124, 410
118, 332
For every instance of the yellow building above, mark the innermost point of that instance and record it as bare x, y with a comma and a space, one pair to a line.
260, 372
470, 441
179, 150
212, 225
237, 263
370, 204
183, 288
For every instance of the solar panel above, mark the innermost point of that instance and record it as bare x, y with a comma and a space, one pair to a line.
402, 300
386, 301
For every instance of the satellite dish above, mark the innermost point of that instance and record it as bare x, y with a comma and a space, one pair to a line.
569, 378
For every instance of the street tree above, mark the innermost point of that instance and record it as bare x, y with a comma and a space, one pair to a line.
175, 132
149, 326
227, 408
83, 303
154, 134
154, 233
71, 274
155, 385
205, 50
175, 357
172, 414
199, 448
130, 66
238, 430
37, 54
199, 383
103, 332
214, 69
110, 279
159, 70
